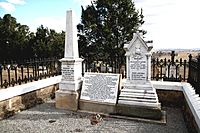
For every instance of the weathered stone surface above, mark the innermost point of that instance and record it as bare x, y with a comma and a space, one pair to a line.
97, 107
139, 111
67, 100
10, 106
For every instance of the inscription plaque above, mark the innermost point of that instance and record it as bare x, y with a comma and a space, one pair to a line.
68, 72
138, 68
100, 87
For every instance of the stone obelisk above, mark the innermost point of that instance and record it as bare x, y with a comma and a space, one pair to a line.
68, 93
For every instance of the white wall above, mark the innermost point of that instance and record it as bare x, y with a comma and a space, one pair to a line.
25, 88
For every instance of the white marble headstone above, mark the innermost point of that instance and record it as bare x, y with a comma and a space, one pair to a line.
138, 60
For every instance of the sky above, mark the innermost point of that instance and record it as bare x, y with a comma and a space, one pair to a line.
169, 23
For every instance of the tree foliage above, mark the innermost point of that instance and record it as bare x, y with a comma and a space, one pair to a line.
17, 42
106, 25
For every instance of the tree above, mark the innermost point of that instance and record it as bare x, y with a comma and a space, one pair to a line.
13, 38
7, 31
56, 42
17, 42
48, 43
106, 25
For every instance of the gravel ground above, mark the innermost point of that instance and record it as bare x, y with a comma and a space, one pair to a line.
45, 118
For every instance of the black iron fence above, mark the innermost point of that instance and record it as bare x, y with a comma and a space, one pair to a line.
170, 69
194, 73
18, 72
109, 65
161, 69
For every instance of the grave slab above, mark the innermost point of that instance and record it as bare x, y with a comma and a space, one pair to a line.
99, 92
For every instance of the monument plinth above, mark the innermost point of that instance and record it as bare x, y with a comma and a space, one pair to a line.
138, 97
68, 93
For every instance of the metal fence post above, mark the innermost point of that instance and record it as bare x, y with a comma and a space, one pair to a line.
189, 70
198, 76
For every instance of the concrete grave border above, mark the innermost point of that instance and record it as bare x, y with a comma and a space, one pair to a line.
192, 99
29, 87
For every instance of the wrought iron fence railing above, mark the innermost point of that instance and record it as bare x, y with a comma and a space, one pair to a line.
18, 72
194, 73
169, 70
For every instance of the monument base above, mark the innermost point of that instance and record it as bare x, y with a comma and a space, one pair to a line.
97, 107
68, 94
67, 100
139, 111
70, 85
139, 100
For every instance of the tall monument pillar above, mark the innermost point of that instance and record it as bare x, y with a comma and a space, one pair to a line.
68, 93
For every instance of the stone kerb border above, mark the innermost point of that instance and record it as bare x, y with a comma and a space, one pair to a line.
192, 99
29, 87
164, 85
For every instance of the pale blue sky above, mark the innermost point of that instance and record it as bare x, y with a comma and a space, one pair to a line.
50, 13
169, 23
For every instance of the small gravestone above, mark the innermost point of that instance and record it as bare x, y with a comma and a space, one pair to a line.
172, 70
99, 92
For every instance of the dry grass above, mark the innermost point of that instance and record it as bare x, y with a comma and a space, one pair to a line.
180, 54
5, 75
19, 73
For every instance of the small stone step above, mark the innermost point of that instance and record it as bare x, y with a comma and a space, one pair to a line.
137, 94
139, 99
136, 103
138, 91
138, 88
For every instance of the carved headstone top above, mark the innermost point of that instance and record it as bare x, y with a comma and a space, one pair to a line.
100, 87
138, 56
137, 46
